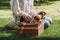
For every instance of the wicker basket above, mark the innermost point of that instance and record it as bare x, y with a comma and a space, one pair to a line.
32, 29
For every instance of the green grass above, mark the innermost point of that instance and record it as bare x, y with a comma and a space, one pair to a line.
4, 4
51, 33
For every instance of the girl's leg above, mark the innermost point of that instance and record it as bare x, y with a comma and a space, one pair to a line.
46, 24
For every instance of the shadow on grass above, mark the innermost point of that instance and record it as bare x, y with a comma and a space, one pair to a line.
45, 2
4, 4
14, 35
53, 0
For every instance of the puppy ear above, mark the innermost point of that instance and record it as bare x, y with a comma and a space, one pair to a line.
36, 18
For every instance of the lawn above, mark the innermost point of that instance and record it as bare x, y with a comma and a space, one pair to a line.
51, 33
